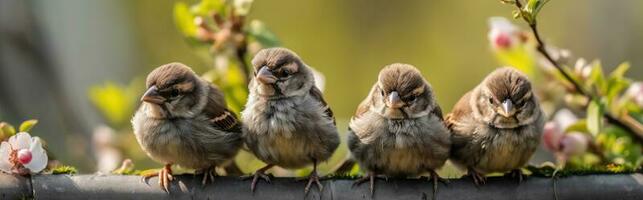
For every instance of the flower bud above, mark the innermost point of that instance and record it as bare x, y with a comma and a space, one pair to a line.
574, 143
552, 135
635, 91
503, 34
564, 118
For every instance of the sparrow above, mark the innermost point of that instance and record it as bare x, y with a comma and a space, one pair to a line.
398, 130
287, 122
184, 120
497, 126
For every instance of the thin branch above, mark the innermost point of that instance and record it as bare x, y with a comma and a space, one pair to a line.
635, 130
543, 50
241, 53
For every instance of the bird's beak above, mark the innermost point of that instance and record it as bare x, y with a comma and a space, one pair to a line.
507, 108
152, 96
264, 76
394, 100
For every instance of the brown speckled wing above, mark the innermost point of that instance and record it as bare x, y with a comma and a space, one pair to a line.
365, 105
216, 109
460, 110
316, 93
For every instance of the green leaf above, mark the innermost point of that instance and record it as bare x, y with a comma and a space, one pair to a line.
7, 129
207, 7
184, 19
26, 126
594, 117
260, 32
619, 147
619, 72
614, 87
116, 102
520, 58
597, 78
515, 14
532, 5
532, 8
579, 126
242, 7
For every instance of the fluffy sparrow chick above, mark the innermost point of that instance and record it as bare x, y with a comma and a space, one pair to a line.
184, 120
287, 122
398, 129
497, 126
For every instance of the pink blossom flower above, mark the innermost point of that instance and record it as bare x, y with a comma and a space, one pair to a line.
564, 118
573, 144
503, 34
22, 155
552, 134
635, 91
554, 130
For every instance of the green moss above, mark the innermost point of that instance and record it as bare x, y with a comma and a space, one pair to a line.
64, 169
550, 170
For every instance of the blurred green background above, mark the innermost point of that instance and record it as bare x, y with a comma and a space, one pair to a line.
52, 52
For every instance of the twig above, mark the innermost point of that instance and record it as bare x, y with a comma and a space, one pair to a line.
238, 22
241, 53
632, 129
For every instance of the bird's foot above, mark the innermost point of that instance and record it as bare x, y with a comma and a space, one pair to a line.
165, 176
436, 178
516, 173
478, 178
261, 173
370, 177
313, 178
209, 174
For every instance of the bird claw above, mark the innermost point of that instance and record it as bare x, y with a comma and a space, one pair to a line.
478, 178
313, 178
209, 173
370, 177
165, 176
436, 178
255, 179
516, 173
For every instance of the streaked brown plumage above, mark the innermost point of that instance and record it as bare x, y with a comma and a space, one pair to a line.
287, 122
184, 120
497, 126
398, 129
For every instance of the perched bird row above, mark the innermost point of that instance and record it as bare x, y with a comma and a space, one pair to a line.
397, 130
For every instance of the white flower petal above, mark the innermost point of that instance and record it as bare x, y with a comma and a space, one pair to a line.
5, 151
38, 157
21, 140
502, 24
565, 118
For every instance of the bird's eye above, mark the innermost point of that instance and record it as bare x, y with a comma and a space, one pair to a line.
412, 98
174, 93
491, 100
382, 92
